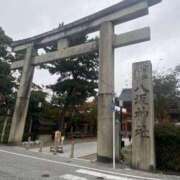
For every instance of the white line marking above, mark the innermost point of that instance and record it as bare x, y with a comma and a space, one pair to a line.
77, 166
102, 175
72, 177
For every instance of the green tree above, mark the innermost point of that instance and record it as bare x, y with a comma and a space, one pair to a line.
37, 101
6, 79
77, 79
166, 94
35, 110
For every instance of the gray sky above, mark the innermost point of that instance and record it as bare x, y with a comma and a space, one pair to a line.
24, 18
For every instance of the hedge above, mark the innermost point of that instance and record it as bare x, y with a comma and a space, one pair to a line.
167, 143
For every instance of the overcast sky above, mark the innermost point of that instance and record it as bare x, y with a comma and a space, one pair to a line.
24, 18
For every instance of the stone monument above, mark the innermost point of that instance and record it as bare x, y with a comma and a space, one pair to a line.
142, 117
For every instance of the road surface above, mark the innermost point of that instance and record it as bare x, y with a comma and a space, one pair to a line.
19, 164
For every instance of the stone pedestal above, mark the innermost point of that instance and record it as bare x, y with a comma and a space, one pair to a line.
142, 117
22, 101
106, 90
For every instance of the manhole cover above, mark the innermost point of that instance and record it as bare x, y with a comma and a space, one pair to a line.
68, 161
45, 175
100, 178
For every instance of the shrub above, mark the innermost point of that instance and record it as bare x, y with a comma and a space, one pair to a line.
167, 143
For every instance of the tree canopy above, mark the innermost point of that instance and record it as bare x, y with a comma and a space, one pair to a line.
6, 78
166, 94
77, 79
37, 100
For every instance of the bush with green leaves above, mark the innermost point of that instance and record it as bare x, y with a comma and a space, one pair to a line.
167, 141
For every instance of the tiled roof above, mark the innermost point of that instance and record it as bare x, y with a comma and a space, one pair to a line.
126, 95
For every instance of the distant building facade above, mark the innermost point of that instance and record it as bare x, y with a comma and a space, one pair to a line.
126, 99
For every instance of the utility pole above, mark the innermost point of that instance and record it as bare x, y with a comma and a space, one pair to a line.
114, 133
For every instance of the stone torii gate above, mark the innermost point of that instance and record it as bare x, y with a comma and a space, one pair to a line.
103, 21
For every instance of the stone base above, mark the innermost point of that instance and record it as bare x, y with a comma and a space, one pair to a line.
104, 159
151, 168
14, 144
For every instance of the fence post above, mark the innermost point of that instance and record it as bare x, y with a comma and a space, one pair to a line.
41, 146
72, 149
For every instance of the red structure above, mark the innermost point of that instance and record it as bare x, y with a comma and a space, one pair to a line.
126, 99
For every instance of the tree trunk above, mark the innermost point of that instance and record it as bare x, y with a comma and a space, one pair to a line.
63, 112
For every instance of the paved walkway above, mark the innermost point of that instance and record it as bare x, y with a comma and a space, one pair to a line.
80, 149
86, 148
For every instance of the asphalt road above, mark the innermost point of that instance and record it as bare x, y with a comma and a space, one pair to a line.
19, 164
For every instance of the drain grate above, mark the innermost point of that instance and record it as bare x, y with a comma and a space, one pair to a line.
45, 175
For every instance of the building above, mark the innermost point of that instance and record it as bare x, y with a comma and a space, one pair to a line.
125, 100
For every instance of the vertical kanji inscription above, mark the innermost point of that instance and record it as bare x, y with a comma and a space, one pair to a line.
143, 117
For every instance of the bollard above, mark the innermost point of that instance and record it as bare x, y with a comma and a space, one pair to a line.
62, 140
62, 143
41, 146
72, 149
55, 149
28, 143
57, 139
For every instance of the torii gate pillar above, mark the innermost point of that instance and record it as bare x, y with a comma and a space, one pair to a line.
106, 91
22, 101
